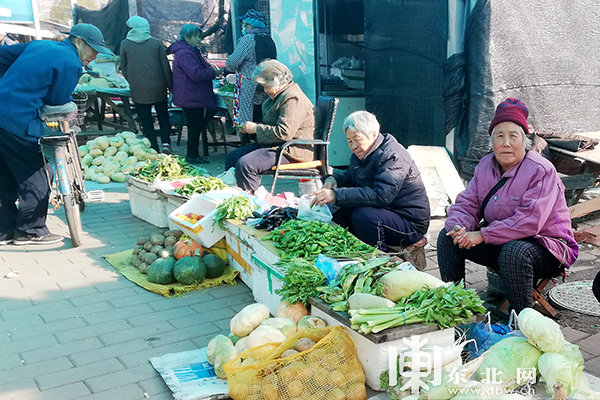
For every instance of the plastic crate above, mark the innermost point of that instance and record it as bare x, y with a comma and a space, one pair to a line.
202, 231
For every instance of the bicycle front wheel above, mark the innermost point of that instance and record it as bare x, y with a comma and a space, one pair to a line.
73, 218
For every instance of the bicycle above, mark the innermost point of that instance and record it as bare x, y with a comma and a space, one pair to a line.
70, 187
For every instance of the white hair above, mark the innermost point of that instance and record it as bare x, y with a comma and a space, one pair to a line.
526, 141
272, 74
363, 122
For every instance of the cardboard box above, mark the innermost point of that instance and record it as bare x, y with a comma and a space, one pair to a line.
202, 231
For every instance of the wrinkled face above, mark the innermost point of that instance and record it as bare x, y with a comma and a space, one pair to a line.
359, 143
508, 144
271, 91
194, 40
85, 52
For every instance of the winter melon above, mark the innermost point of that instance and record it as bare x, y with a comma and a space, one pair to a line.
189, 270
161, 271
215, 266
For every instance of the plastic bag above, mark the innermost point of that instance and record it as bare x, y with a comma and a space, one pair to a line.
228, 177
308, 212
328, 266
328, 367
487, 334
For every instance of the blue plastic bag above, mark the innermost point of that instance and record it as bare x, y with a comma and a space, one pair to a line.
487, 334
328, 266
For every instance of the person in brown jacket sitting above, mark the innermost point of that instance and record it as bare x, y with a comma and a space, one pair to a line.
287, 114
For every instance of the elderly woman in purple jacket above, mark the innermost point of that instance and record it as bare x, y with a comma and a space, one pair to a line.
513, 216
193, 88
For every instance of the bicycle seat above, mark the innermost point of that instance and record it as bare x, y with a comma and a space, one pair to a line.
55, 137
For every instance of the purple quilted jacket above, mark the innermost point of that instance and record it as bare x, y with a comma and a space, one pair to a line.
192, 78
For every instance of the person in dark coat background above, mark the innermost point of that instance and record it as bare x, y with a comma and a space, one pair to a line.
380, 197
145, 66
193, 88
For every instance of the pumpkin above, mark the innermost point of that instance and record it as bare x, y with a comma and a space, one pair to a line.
187, 248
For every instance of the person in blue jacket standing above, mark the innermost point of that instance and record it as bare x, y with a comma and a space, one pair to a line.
32, 75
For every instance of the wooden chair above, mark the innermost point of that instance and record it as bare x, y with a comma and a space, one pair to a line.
538, 297
324, 117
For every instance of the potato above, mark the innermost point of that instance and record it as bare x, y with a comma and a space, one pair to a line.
288, 353
303, 344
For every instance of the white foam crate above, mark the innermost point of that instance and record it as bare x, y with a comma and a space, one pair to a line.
202, 231
148, 206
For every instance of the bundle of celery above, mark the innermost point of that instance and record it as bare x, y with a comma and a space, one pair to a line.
446, 306
301, 281
356, 278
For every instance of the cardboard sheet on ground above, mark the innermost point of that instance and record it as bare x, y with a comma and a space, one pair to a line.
122, 263
189, 376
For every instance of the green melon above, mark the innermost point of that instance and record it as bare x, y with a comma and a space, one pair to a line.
161, 271
215, 266
189, 270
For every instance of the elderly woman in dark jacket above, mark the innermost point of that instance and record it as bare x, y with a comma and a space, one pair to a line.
287, 114
381, 196
145, 66
193, 88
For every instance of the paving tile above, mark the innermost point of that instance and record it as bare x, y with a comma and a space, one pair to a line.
135, 299
19, 389
183, 334
142, 357
11, 305
154, 317
21, 346
98, 297
128, 392
115, 314
224, 302
202, 341
50, 328
65, 294
592, 366
109, 352
120, 283
201, 318
49, 353
221, 292
77, 312
154, 386
164, 303
30, 321
572, 335
146, 332
37, 309
80, 373
121, 378
90, 331
24, 371
67, 392
9, 361
591, 344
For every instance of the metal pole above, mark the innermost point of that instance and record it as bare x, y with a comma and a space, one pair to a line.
36, 20
74, 12
133, 8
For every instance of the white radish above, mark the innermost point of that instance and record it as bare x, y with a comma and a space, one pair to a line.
452, 382
447, 355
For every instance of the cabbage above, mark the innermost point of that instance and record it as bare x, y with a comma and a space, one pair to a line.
227, 354
83, 150
87, 159
311, 322
284, 325
96, 153
98, 160
120, 156
131, 141
116, 141
101, 178
129, 161
102, 142
141, 155
139, 164
127, 169
571, 353
146, 143
126, 135
111, 168
125, 148
554, 368
541, 331
118, 177
89, 173
507, 356
110, 151
91, 144
215, 346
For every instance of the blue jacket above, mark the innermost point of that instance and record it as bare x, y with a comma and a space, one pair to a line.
192, 78
387, 177
37, 73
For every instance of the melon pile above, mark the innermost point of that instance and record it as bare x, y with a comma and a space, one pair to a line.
111, 158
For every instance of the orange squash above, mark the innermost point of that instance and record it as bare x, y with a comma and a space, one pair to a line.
187, 248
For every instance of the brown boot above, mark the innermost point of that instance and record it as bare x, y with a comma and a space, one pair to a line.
417, 254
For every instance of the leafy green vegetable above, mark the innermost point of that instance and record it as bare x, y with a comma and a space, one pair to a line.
227, 88
201, 184
301, 280
237, 207
167, 168
445, 306
554, 368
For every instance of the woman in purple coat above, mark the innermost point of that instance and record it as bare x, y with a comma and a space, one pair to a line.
193, 88
513, 216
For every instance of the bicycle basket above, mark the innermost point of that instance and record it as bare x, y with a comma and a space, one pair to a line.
80, 98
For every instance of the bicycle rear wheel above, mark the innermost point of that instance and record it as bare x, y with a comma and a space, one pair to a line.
73, 218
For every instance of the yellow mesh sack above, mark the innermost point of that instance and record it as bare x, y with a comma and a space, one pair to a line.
327, 371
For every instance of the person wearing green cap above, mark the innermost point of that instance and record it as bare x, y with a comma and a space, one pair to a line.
35, 74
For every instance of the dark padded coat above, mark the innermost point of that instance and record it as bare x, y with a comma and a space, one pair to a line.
387, 177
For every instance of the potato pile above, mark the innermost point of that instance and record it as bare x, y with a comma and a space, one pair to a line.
149, 248
102, 82
111, 158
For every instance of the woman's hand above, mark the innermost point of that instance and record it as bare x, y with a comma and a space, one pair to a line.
323, 197
249, 127
464, 239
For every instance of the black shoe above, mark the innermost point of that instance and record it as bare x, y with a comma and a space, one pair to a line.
166, 149
4, 242
50, 238
197, 160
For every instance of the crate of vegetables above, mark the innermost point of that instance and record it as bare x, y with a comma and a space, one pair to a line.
196, 217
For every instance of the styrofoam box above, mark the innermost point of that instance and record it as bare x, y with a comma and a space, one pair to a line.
202, 231
237, 254
220, 195
266, 279
148, 206
374, 357
173, 203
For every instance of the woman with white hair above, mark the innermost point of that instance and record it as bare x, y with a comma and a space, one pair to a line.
381, 196
287, 114
513, 216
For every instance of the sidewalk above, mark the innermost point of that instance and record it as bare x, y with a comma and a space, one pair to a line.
76, 329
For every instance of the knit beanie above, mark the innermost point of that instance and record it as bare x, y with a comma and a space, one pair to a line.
512, 110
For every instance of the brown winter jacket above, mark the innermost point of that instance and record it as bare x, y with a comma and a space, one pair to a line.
290, 115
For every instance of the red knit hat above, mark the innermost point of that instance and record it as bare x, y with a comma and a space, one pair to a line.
512, 110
